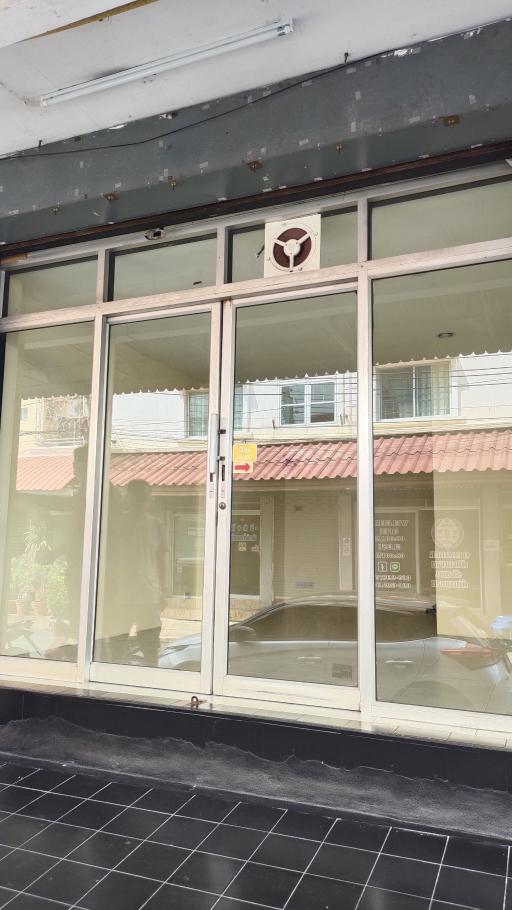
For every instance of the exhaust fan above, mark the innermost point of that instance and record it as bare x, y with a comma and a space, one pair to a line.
292, 246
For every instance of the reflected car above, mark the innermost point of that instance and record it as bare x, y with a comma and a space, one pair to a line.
315, 640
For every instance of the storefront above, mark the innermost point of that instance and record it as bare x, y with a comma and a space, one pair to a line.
273, 463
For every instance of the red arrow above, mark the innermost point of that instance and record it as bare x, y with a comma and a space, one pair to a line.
242, 467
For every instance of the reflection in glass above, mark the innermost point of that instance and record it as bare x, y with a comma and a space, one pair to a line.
43, 463
293, 598
150, 595
443, 493
435, 220
52, 287
165, 268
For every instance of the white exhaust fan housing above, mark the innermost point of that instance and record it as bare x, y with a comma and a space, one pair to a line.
292, 246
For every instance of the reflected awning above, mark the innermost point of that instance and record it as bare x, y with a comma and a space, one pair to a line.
413, 454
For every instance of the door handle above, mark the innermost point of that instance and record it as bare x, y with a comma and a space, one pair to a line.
213, 445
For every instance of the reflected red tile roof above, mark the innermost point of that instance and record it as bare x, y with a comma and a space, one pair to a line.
413, 454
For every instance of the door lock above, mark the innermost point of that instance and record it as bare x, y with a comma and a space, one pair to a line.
222, 505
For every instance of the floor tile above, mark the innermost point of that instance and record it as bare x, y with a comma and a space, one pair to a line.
377, 899
10, 774
46, 779
31, 902
167, 801
122, 794
229, 903
154, 860
249, 815
346, 863
404, 875
415, 845
208, 808
288, 852
183, 832
238, 843
324, 894
80, 786
67, 882
270, 886
19, 869
350, 833
119, 892
14, 798
135, 823
51, 806
508, 897
17, 829
58, 839
171, 897
471, 889
476, 855
302, 824
106, 850
207, 873
92, 815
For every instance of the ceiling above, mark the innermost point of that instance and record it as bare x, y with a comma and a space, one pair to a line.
32, 63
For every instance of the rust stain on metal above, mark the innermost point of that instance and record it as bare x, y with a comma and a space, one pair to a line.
110, 197
255, 165
451, 120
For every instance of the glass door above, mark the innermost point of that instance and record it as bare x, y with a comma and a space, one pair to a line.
286, 615
154, 602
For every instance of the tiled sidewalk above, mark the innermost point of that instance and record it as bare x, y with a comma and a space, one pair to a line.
79, 842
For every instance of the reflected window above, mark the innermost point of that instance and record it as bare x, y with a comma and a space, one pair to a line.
416, 391
308, 403
197, 409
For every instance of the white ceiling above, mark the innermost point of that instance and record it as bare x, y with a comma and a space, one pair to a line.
324, 31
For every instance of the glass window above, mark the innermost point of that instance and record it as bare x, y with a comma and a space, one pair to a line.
466, 214
165, 268
52, 287
293, 590
150, 586
443, 491
43, 463
338, 245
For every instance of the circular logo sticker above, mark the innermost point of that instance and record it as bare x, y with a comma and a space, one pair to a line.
447, 533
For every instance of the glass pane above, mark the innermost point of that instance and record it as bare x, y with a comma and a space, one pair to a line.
338, 239
52, 287
293, 596
162, 269
150, 595
443, 491
464, 215
43, 462
247, 254
395, 391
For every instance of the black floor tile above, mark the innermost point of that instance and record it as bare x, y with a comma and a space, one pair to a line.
119, 892
20, 868
67, 882
302, 824
415, 845
11, 774
80, 786
250, 815
376, 899
405, 875
324, 894
92, 815
442, 905
346, 863
171, 897
122, 794
229, 903
46, 779
238, 843
31, 902
269, 886
471, 889
51, 806
508, 899
58, 839
476, 855
350, 833
167, 801
106, 850
12, 799
154, 860
182, 832
17, 829
287, 852
207, 873
135, 823
208, 808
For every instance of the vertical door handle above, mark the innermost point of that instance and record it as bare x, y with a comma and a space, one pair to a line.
213, 445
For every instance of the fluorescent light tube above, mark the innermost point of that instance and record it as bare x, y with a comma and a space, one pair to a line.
164, 64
